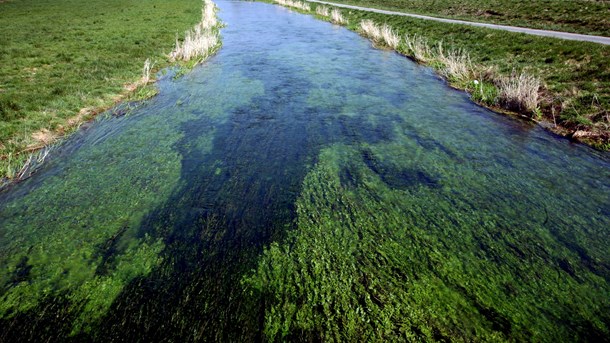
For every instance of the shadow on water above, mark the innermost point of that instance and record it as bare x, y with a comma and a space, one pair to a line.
153, 226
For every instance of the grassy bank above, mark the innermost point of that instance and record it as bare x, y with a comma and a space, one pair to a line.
64, 61
580, 16
569, 80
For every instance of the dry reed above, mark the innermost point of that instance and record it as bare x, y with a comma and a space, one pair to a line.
380, 34
390, 38
519, 91
323, 11
337, 17
146, 71
202, 39
418, 48
456, 63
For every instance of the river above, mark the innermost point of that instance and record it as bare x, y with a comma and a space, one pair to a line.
302, 185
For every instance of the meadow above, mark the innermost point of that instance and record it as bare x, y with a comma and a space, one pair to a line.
64, 61
580, 16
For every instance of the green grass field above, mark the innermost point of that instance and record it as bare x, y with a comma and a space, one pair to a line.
60, 56
581, 16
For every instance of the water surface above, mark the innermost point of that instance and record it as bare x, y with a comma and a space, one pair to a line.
302, 185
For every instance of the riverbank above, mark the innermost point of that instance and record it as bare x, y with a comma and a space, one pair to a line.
568, 91
64, 62
578, 16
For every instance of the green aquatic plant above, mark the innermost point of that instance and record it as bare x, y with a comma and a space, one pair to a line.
86, 250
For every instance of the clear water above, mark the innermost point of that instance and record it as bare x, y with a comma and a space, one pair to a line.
302, 185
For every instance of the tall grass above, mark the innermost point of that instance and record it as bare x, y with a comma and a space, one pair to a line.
202, 40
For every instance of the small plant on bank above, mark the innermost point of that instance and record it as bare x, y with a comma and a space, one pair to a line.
484, 92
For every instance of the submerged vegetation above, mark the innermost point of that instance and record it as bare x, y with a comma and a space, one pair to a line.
560, 83
63, 62
377, 256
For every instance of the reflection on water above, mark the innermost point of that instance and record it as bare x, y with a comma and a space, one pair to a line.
301, 185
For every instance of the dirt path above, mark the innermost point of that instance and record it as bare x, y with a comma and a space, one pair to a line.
545, 33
